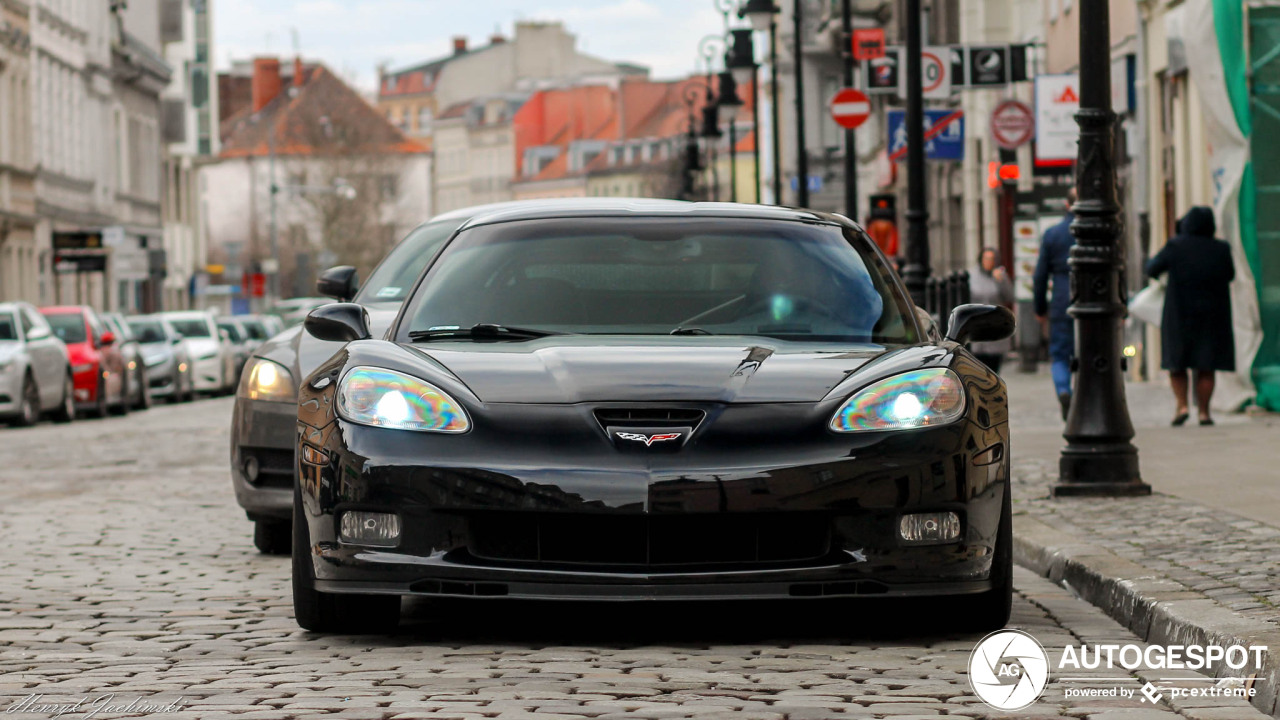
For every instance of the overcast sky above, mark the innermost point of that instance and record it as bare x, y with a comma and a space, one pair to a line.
353, 36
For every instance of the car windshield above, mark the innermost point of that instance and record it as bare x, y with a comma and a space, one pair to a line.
394, 277
255, 329
148, 331
695, 276
69, 327
191, 328
232, 329
8, 328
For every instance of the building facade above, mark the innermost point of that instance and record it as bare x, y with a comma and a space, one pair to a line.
20, 260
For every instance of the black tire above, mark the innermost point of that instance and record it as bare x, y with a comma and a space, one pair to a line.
989, 611
330, 612
66, 410
101, 407
144, 389
273, 537
29, 410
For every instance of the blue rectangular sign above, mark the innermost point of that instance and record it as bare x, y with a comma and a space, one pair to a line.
946, 144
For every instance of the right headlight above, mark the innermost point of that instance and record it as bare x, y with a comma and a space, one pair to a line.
386, 398
267, 380
919, 398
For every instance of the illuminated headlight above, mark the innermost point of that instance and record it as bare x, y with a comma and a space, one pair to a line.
929, 528
266, 380
369, 528
386, 398
919, 398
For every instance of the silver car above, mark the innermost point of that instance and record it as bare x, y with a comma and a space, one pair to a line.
35, 372
212, 357
169, 369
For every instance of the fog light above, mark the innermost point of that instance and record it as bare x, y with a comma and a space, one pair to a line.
929, 528
370, 528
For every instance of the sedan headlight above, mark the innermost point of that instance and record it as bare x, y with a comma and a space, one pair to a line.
266, 380
386, 398
920, 398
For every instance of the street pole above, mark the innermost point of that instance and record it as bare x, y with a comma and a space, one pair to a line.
775, 111
274, 286
1100, 458
802, 152
850, 142
755, 129
733, 158
916, 272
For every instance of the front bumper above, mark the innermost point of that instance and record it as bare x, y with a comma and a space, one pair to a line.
263, 435
162, 378
10, 390
465, 507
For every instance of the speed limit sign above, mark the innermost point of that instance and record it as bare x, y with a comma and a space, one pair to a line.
935, 73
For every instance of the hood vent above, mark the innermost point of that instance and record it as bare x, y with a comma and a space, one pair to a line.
649, 417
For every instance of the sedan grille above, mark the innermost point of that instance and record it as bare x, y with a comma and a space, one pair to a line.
649, 540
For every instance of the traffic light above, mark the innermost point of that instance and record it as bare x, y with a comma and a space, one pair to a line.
884, 206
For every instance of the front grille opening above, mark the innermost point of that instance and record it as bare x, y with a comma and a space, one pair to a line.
649, 540
649, 417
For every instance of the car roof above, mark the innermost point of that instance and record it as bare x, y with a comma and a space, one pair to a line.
642, 207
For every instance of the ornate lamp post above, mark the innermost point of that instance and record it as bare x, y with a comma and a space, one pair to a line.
1100, 458
741, 61
763, 16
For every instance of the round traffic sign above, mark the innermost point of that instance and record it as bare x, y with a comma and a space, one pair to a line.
1012, 124
850, 108
933, 72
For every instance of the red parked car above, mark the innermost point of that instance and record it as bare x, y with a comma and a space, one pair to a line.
99, 370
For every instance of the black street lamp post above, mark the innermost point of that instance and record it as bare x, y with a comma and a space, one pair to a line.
850, 141
763, 16
915, 273
729, 103
1100, 458
802, 150
741, 61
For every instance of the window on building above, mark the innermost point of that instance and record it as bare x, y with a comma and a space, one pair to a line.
425, 116
387, 187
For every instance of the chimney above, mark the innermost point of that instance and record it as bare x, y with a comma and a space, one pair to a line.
496, 39
459, 44
266, 81
297, 71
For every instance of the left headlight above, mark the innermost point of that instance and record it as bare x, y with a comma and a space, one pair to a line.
386, 398
919, 398
266, 380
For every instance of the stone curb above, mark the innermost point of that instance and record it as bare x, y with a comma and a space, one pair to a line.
1156, 609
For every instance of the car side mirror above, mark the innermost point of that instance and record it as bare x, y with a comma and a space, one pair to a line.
177, 339
108, 339
338, 322
980, 323
339, 283
37, 333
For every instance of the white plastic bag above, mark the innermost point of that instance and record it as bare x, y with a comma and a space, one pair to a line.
1148, 303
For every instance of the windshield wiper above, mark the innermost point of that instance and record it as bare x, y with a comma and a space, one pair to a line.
690, 331
480, 331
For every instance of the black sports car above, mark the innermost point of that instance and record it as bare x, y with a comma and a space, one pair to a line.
652, 400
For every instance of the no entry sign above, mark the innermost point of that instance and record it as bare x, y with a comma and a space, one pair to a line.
1012, 124
850, 108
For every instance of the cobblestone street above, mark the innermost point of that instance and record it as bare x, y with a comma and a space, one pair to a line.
130, 570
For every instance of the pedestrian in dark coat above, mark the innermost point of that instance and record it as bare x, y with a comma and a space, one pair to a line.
1055, 252
1196, 323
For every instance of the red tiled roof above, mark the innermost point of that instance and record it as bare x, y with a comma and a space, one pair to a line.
320, 115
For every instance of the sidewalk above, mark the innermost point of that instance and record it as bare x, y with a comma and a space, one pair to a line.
1198, 561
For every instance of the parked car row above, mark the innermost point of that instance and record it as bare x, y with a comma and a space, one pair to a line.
62, 361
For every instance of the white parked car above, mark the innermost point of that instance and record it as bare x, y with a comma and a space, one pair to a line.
35, 373
211, 353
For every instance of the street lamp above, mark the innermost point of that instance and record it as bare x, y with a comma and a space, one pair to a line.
762, 16
741, 61
728, 104
1100, 458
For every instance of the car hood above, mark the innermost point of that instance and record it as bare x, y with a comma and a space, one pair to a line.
566, 370
152, 351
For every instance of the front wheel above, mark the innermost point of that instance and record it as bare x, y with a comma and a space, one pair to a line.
66, 410
272, 537
989, 611
29, 412
331, 612
143, 401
